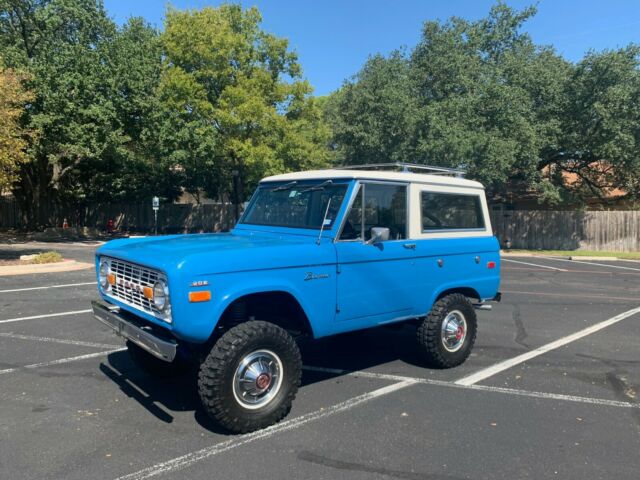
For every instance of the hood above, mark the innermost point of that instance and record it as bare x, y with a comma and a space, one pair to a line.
221, 252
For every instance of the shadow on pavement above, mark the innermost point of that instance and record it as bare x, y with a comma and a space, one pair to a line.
350, 352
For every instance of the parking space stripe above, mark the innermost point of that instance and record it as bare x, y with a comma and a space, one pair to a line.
535, 265
189, 459
46, 315
578, 262
552, 396
507, 364
63, 360
569, 295
580, 272
63, 341
47, 287
483, 388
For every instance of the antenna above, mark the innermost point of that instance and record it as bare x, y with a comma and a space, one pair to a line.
324, 219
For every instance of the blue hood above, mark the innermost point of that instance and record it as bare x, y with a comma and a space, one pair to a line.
220, 252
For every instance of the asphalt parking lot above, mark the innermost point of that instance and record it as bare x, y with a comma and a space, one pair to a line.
551, 391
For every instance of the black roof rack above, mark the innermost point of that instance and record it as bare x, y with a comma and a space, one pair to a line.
406, 167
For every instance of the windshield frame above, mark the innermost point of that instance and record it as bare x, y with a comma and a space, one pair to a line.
300, 185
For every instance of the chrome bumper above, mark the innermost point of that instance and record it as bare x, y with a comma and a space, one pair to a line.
145, 339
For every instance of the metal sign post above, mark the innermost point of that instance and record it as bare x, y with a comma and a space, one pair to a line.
156, 207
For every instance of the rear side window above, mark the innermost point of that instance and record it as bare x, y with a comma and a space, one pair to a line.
451, 211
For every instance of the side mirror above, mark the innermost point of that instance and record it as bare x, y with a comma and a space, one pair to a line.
379, 235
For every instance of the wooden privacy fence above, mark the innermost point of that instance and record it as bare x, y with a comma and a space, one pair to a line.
172, 218
617, 231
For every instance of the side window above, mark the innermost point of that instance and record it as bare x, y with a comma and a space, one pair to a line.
384, 206
352, 229
450, 211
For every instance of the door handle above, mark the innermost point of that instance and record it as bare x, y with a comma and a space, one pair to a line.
409, 246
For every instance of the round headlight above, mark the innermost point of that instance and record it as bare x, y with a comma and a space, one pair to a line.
160, 295
103, 274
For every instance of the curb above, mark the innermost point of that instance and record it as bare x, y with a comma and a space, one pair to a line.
602, 259
64, 266
509, 254
567, 257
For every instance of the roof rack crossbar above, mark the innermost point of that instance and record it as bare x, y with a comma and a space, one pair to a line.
406, 167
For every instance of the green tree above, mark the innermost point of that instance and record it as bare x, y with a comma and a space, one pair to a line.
481, 95
95, 87
600, 142
375, 114
13, 137
234, 103
490, 99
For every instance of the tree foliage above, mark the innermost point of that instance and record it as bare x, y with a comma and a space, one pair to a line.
235, 100
13, 137
93, 87
482, 96
93, 112
124, 113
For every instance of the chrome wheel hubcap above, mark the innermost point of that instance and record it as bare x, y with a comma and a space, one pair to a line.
258, 379
454, 331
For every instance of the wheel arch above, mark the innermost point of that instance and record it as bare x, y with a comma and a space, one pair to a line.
466, 291
277, 306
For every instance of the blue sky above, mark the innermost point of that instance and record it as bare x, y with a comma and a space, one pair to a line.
333, 38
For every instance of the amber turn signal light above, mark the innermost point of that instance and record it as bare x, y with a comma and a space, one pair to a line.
202, 296
111, 278
148, 292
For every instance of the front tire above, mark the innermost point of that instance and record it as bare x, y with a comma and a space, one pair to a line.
446, 336
249, 379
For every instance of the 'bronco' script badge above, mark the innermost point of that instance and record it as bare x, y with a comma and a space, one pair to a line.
312, 276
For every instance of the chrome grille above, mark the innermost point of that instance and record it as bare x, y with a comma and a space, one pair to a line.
130, 281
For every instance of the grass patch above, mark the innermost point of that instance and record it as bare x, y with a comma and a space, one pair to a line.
580, 253
47, 257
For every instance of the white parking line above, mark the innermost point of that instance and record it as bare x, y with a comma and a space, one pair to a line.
592, 263
189, 459
46, 315
47, 287
63, 360
63, 341
483, 388
534, 265
505, 365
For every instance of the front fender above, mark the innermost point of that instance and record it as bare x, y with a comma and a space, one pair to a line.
317, 298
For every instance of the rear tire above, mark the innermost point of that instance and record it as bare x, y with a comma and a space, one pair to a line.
249, 379
154, 367
446, 336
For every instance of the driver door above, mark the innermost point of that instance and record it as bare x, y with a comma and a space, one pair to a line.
375, 281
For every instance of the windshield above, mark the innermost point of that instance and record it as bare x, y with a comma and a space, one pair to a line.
296, 204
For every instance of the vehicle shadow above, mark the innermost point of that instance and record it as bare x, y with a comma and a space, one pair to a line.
347, 352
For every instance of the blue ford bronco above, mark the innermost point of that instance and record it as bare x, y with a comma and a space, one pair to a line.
315, 254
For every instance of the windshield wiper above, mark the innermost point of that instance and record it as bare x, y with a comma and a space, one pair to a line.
287, 186
317, 187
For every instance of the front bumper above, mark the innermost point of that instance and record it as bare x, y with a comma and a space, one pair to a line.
141, 335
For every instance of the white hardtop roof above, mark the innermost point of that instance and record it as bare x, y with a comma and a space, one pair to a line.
408, 177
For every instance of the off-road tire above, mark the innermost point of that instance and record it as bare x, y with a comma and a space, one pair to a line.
154, 367
217, 372
429, 334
